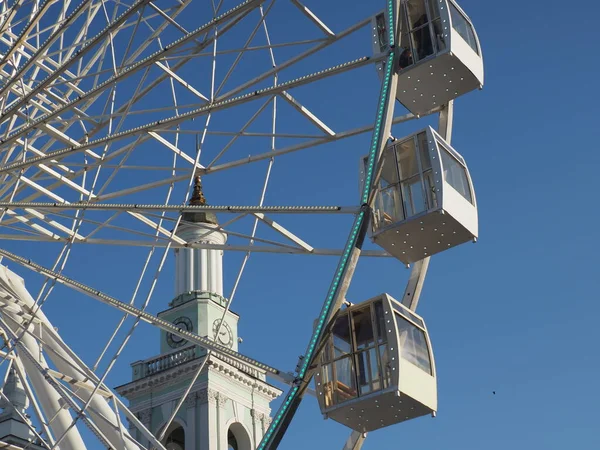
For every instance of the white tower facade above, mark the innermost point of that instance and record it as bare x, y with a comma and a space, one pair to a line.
228, 406
199, 269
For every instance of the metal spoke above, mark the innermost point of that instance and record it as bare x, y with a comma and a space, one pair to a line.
138, 313
183, 208
172, 121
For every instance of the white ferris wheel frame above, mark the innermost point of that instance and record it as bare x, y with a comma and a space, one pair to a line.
48, 164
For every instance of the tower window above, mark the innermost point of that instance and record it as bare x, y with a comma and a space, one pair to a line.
231, 441
238, 438
176, 438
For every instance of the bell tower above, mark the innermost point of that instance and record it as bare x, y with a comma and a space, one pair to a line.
199, 303
228, 406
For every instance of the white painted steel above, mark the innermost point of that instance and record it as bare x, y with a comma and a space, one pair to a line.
355, 441
449, 69
51, 195
446, 219
64, 363
50, 400
418, 273
411, 387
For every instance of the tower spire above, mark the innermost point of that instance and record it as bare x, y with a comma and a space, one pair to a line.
197, 194
198, 199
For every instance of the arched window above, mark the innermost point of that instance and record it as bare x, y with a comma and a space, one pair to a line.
238, 438
175, 439
231, 441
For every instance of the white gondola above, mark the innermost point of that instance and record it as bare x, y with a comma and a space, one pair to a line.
377, 368
440, 55
425, 202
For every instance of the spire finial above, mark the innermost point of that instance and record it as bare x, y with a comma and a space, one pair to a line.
197, 195
198, 199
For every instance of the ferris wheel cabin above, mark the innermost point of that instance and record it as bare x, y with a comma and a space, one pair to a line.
425, 202
377, 368
440, 55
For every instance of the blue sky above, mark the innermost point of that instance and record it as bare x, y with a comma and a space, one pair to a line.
515, 313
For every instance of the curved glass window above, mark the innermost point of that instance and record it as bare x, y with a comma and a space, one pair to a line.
422, 34
463, 27
342, 342
382, 32
407, 186
413, 345
355, 361
400, 309
456, 175
389, 206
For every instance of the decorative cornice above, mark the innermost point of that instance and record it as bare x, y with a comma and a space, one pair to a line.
248, 369
158, 379
229, 367
259, 386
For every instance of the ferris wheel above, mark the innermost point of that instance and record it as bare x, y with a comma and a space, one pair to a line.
127, 127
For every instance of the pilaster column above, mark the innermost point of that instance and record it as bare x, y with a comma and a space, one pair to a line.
266, 421
132, 428
221, 401
191, 403
146, 418
205, 425
257, 426
213, 419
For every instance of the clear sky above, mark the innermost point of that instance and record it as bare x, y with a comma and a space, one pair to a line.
515, 314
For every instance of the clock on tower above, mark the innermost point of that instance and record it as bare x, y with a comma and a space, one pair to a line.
183, 323
223, 333
200, 313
